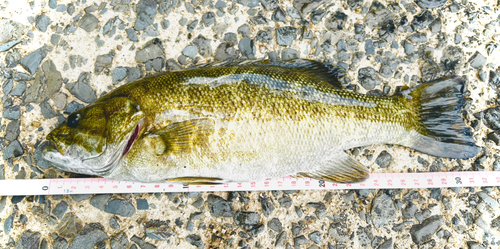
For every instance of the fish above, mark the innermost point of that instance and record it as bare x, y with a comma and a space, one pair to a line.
254, 120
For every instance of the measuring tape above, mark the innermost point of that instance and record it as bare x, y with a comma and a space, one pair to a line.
64, 186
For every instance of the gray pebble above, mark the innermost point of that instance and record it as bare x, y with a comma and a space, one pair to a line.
368, 78
14, 149
91, 235
266, 204
81, 88
60, 243
246, 220
141, 243
99, 201
317, 15
336, 21
48, 82
377, 15
281, 239
244, 30
275, 224
247, 48
286, 35
258, 20
208, 18
70, 8
195, 240
231, 38
142, 204
73, 106
80, 197
8, 223
29, 239
52, 4
383, 211
59, 99
477, 61
42, 21
103, 61
364, 235
190, 51
264, 36
408, 47
13, 130
409, 211
47, 110
113, 223
452, 58
120, 241
369, 48
220, 4
422, 233
293, 13
417, 38
285, 201
146, 12
60, 209
437, 165
492, 203
384, 159
279, 15
315, 237
203, 45
119, 74
1, 178
289, 53
192, 25
219, 207
88, 22
152, 49
31, 61
19, 90
422, 20
165, 24
120, 207
305, 7
132, 35
300, 240
158, 229
61, 8
430, 4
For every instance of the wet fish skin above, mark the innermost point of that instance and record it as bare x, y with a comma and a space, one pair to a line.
252, 121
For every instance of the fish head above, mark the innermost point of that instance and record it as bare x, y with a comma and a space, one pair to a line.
94, 139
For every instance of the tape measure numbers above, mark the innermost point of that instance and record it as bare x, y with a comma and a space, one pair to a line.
64, 186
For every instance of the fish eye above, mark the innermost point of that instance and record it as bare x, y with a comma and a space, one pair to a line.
73, 120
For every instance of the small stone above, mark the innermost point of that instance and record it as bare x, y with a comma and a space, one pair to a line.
99, 201
477, 61
91, 235
31, 61
132, 35
266, 204
279, 15
315, 237
13, 130
73, 106
475, 245
192, 25
305, 7
368, 78
364, 235
247, 48
142, 204
60, 243
285, 201
120, 207
300, 240
417, 38
80, 197
151, 50
290, 53
339, 232
369, 48
19, 90
47, 110
336, 21
246, 220
159, 230
102, 62
430, 4
113, 223
492, 203
190, 51
275, 224
60, 209
264, 36
408, 47
47, 81
13, 150
42, 21
437, 165
286, 35
208, 18
383, 211
258, 20
8, 223
29, 239
81, 88
195, 240
422, 233
317, 15
421, 21
244, 30
219, 207
69, 225
146, 12
120, 241
377, 15
88, 22
409, 211
452, 58
119, 74
133, 74
220, 4
384, 159
203, 45
281, 239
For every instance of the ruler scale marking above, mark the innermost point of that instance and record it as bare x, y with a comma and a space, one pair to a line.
375, 181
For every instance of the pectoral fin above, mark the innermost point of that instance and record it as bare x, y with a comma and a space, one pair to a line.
342, 169
198, 180
184, 136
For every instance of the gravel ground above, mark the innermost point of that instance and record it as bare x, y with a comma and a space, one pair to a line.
58, 56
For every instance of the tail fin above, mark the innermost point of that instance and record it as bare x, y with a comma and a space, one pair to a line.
442, 131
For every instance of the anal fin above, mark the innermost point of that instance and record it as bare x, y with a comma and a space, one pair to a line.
342, 169
195, 180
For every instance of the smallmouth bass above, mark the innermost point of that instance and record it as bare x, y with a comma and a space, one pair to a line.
252, 121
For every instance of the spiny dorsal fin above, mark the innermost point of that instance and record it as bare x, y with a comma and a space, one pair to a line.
184, 136
344, 169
